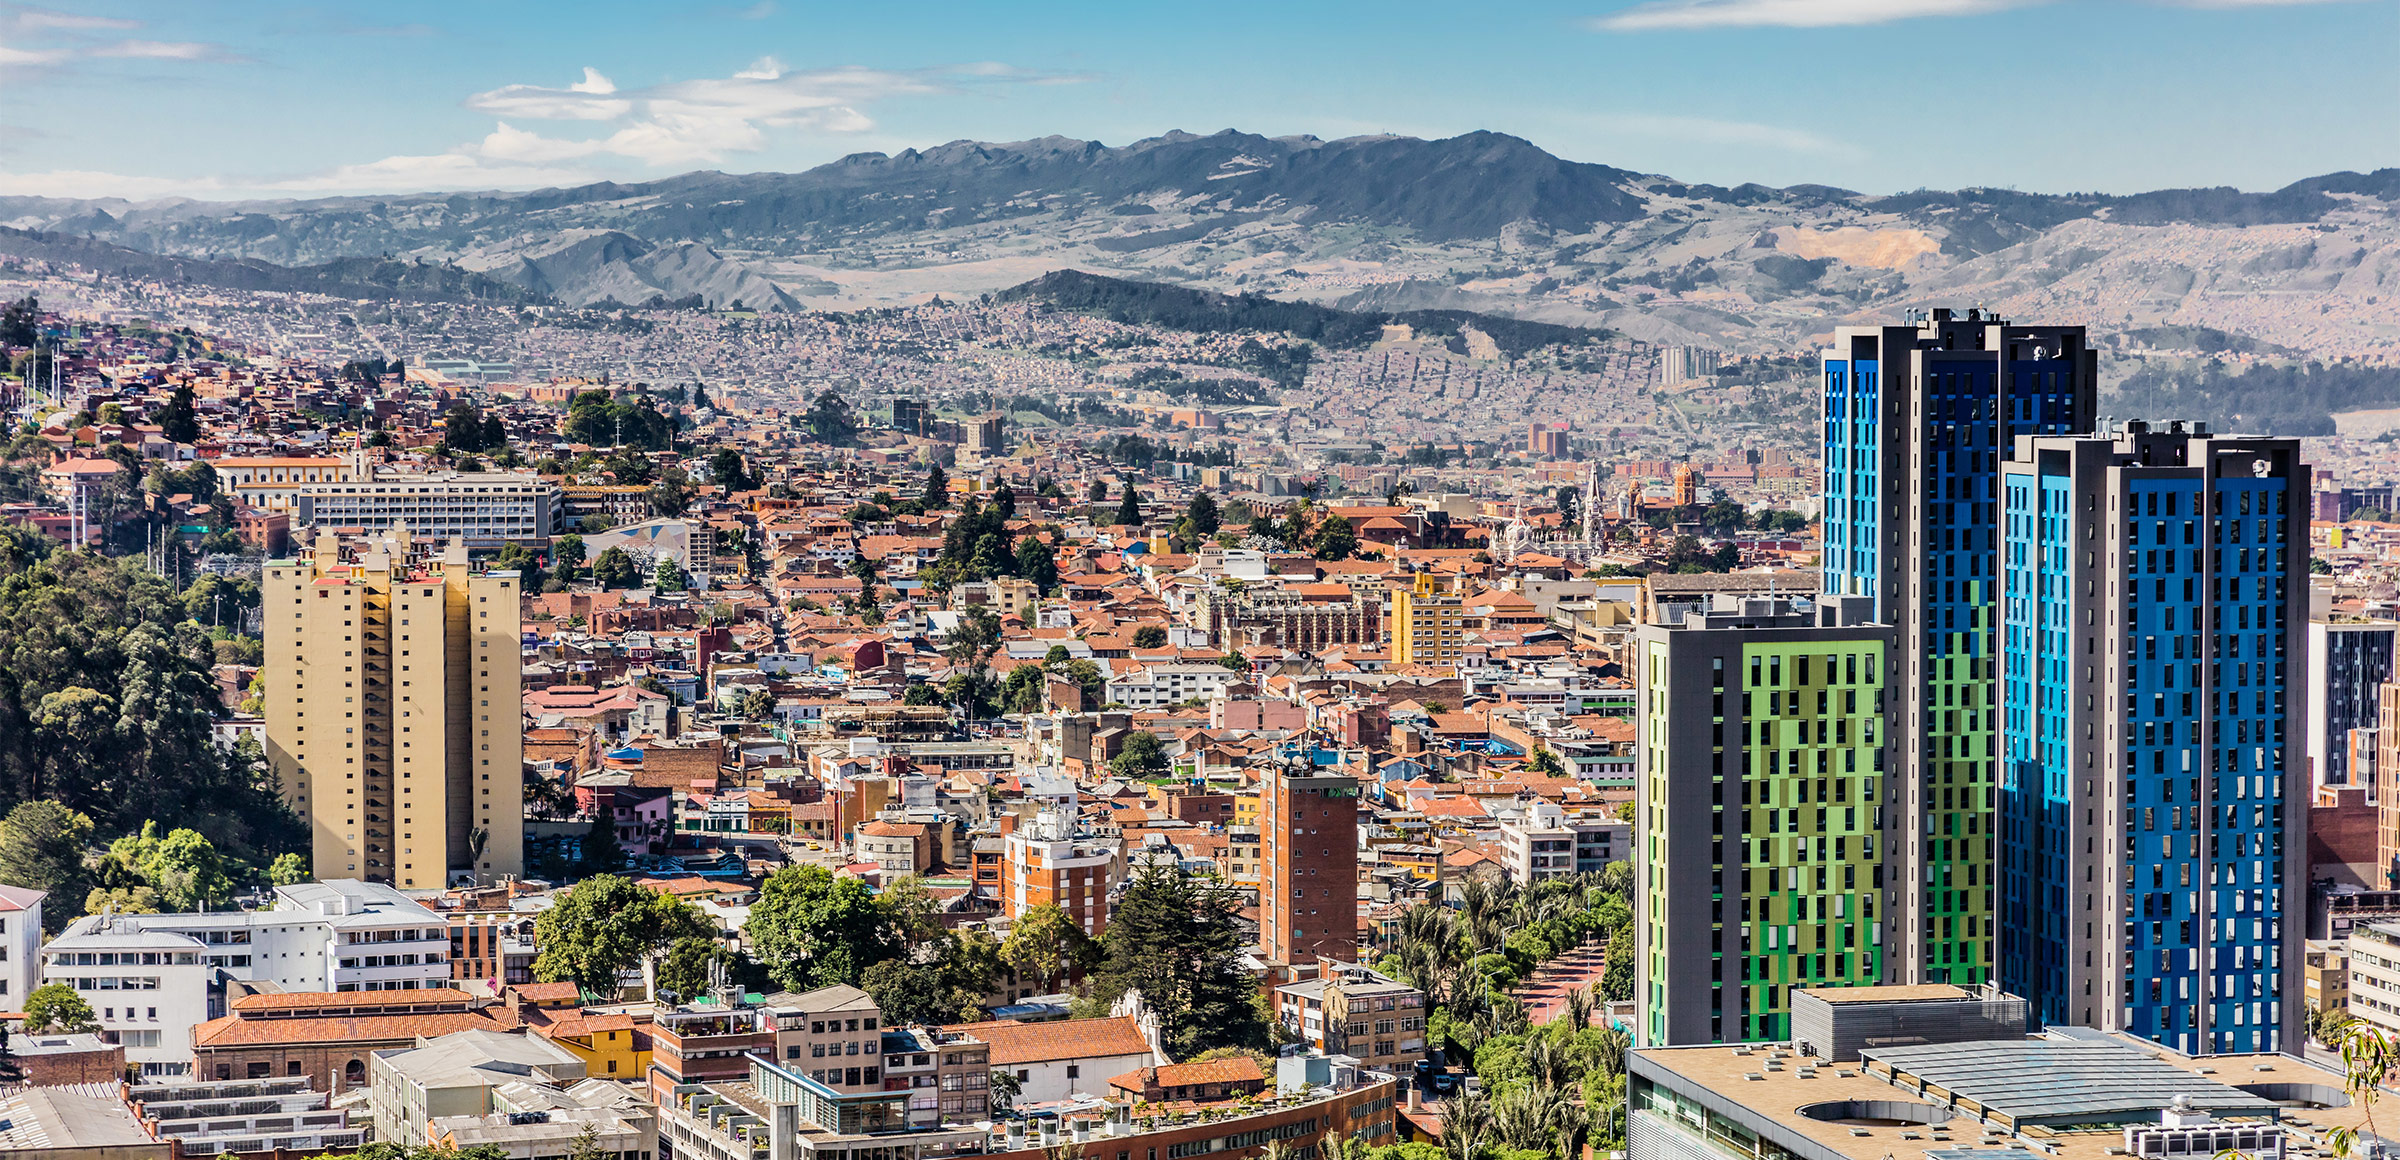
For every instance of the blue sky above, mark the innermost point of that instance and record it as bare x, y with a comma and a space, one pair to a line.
264, 99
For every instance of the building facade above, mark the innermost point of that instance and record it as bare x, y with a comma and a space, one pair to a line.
1758, 837
395, 720
2349, 660
1044, 862
1917, 420
151, 977
482, 509
2152, 815
1308, 866
1428, 622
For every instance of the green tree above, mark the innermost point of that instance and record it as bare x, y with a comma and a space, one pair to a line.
831, 420
1129, 510
688, 966
1335, 539
1202, 514
1046, 945
1176, 938
567, 552
1150, 636
462, 428
1543, 761
604, 926
921, 694
603, 852
179, 420
1023, 689
937, 488
288, 870
107, 702
1037, 561
42, 848
668, 576
1143, 756
55, 1007
725, 466
811, 929
615, 569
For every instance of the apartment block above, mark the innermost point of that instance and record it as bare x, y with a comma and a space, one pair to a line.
1046, 862
1308, 866
1758, 813
1546, 842
2349, 660
394, 711
151, 977
2152, 810
1428, 621
1917, 419
481, 509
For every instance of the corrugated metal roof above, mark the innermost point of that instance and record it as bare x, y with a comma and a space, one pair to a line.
2062, 1081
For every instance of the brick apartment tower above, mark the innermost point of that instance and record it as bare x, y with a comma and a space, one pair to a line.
395, 720
1308, 867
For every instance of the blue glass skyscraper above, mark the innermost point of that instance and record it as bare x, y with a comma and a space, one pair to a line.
2152, 804
1917, 420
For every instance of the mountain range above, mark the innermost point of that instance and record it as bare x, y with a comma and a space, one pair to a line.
1480, 222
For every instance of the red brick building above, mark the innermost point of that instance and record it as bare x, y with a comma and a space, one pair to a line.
1308, 867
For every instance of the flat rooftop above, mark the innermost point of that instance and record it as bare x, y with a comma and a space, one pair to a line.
1852, 1111
2075, 1081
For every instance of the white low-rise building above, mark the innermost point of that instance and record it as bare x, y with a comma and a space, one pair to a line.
20, 945
1546, 842
1158, 686
151, 977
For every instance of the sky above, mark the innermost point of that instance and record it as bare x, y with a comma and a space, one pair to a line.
224, 100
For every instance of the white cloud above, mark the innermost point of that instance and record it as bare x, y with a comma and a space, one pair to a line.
704, 121
2250, 3
509, 143
1746, 134
758, 11
1789, 13
678, 123
159, 50
41, 36
10, 54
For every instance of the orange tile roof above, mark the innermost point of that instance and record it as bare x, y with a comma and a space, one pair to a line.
1231, 1069
1014, 1042
234, 1031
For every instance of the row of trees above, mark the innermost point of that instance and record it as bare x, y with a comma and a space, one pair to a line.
1549, 1089
105, 712
1175, 939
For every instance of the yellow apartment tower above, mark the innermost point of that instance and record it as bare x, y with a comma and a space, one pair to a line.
1428, 622
394, 711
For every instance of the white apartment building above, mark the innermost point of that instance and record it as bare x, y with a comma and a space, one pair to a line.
1546, 842
151, 977
20, 945
482, 509
1158, 686
2375, 975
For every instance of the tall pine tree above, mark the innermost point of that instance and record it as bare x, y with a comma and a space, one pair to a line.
1175, 939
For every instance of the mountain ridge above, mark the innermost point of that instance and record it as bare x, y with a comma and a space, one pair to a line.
1482, 220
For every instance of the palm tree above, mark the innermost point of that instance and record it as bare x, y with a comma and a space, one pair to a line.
1521, 1117
1466, 1126
1578, 1013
